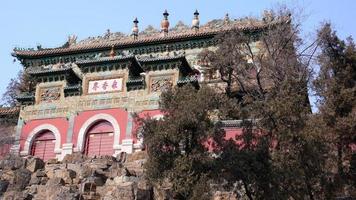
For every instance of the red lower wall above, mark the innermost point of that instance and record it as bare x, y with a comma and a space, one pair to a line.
60, 123
143, 114
120, 115
231, 133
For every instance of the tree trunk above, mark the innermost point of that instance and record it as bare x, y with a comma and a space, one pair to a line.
309, 188
248, 192
339, 159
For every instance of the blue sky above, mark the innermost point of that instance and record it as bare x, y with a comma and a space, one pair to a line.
28, 23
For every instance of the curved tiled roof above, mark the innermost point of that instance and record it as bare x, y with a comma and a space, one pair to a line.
237, 123
188, 79
144, 61
155, 59
139, 60
146, 37
25, 96
231, 123
135, 80
39, 70
105, 45
73, 87
9, 110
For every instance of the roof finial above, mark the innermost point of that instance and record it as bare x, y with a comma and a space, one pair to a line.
135, 29
195, 21
112, 52
165, 14
226, 18
165, 23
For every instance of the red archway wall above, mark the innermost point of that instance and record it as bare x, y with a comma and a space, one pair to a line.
120, 115
60, 123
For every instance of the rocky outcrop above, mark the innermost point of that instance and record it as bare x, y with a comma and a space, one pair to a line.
12, 162
33, 164
17, 179
79, 177
76, 177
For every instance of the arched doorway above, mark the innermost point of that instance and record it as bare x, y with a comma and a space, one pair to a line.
43, 145
100, 139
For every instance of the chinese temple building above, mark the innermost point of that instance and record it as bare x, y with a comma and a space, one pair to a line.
87, 91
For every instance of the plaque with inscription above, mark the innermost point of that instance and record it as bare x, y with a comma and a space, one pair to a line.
106, 85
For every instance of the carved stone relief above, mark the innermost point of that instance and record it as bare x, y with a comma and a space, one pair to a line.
50, 94
160, 84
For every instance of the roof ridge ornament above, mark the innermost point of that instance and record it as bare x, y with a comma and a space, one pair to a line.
135, 29
227, 18
107, 34
165, 23
268, 16
195, 21
72, 40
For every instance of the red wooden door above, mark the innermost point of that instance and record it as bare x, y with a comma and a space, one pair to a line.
43, 146
100, 139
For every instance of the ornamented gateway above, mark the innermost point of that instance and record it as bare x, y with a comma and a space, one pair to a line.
87, 91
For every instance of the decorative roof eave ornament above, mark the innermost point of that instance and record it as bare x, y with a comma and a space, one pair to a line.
161, 59
73, 87
25, 97
129, 61
70, 89
183, 65
103, 60
137, 63
67, 71
57, 68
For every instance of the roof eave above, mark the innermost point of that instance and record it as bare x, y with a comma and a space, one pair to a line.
105, 46
144, 41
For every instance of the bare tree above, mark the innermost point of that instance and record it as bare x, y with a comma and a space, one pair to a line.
23, 83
